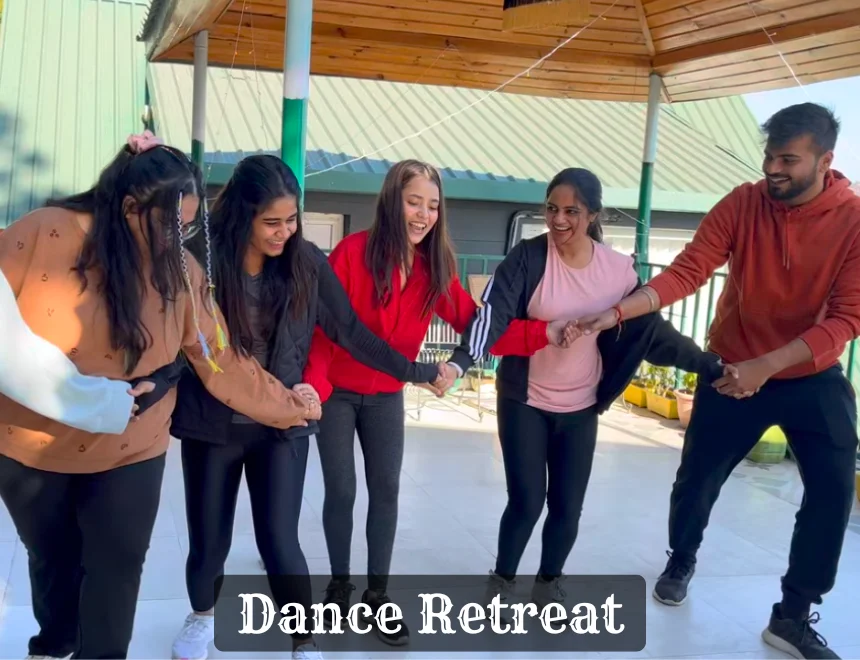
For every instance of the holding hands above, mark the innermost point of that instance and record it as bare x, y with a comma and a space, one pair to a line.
309, 394
444, 381
143, 387
563, 333
744, 379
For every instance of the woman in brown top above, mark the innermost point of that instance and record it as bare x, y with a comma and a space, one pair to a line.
103, 276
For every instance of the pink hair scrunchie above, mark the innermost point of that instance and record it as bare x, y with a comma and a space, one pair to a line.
144, 142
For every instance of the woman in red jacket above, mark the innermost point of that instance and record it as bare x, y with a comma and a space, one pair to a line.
397, 275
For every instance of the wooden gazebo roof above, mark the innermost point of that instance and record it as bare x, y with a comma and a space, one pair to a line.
702, 48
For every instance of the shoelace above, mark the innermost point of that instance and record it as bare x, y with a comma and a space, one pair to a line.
340, 591
677, 568
809, 631
560, 594
197, 627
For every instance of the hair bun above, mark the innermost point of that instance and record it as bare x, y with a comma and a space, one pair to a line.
143, 142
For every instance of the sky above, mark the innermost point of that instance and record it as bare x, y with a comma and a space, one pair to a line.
841, 96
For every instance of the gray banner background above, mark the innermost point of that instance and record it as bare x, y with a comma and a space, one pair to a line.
628, 591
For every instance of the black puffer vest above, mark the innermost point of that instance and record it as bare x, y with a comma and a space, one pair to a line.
200, 416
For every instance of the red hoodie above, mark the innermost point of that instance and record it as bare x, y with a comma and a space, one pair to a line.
400, 323
793, 272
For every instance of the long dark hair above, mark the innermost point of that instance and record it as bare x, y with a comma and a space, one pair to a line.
388, 242
589, 191
148, 184
257, 182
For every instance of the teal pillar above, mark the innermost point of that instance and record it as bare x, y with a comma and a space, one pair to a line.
198, 110
646, 183
297, 77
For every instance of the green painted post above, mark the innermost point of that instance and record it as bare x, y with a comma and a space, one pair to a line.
198, 110
646, 184
297, 76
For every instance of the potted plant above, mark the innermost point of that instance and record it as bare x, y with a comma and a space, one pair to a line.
635, 393
660, 398
684, 396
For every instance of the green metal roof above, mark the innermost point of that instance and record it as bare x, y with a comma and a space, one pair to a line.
729, 122
71, 90
505, 148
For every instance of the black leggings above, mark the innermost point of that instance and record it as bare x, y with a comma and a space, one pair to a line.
275, 473
534, 443
86, 536
379, 420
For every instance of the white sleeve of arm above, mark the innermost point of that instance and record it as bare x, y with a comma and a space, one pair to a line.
37, 375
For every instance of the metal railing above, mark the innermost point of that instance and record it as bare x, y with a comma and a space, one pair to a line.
691, 316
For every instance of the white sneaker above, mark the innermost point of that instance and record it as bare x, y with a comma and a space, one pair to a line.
192, 642
308, 651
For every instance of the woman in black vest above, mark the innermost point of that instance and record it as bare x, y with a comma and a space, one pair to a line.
273, 288
551, 394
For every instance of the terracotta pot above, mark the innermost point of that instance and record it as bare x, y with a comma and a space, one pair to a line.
685, 407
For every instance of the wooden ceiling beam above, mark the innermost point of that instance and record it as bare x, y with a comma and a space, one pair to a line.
369, 36
594, 40
781, 83
664, 62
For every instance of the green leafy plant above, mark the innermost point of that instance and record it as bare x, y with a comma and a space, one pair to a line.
660, 380
688, 383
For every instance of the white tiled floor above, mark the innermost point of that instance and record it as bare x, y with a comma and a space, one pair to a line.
452, 495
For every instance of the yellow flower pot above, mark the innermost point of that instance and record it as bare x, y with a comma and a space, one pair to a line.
770, 448
635, 394
661, 405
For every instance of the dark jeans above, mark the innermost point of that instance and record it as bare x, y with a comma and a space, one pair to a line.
379, 420
819, 416
275, 473
537, 445
86, 536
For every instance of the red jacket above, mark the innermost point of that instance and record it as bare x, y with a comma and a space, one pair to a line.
793, 272
400, 323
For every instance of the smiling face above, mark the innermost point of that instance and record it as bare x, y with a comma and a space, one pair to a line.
274, 226
566, 216
420, 208
795, 171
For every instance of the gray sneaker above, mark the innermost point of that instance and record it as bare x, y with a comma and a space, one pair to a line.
545, 592
498, 586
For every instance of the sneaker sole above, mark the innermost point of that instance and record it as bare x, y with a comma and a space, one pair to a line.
780, 644
403, 641
666, 601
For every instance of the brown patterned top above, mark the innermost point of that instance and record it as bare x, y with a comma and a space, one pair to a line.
37, 256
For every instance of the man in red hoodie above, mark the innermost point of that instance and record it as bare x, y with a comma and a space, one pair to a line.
790, 305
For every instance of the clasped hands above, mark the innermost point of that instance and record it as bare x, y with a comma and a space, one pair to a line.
444, 381
740, 381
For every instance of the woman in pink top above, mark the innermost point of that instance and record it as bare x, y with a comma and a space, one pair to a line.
553, 381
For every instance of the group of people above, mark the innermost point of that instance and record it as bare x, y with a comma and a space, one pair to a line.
232, 333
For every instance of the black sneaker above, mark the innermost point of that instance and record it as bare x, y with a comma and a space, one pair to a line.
375, 600
338, 592
796, 637
671, 588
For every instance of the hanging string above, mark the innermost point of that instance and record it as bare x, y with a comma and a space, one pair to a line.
471, 105
388, 108
849, 152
